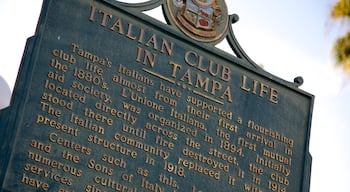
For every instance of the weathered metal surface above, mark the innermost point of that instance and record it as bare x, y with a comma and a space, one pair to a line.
108, 99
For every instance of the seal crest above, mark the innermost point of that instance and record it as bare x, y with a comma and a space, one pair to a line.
202, 20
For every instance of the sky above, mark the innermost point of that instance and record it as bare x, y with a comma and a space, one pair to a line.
289, 38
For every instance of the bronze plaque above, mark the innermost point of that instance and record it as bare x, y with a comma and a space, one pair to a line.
108, 99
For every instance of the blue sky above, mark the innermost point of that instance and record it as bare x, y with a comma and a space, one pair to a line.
289, 38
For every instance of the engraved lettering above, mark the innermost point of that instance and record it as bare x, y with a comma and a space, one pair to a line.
111, 146
99, 168
34, 182
260, 89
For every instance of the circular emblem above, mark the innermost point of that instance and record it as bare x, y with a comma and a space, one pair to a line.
202, 20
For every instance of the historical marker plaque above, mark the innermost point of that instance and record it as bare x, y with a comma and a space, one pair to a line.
108, 101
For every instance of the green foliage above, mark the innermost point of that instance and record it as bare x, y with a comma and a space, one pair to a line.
341, 48
341, 51
341, 9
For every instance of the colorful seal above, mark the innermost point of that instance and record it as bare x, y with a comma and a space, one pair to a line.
202, 20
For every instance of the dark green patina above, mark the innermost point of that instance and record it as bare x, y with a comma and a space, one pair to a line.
100, 81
